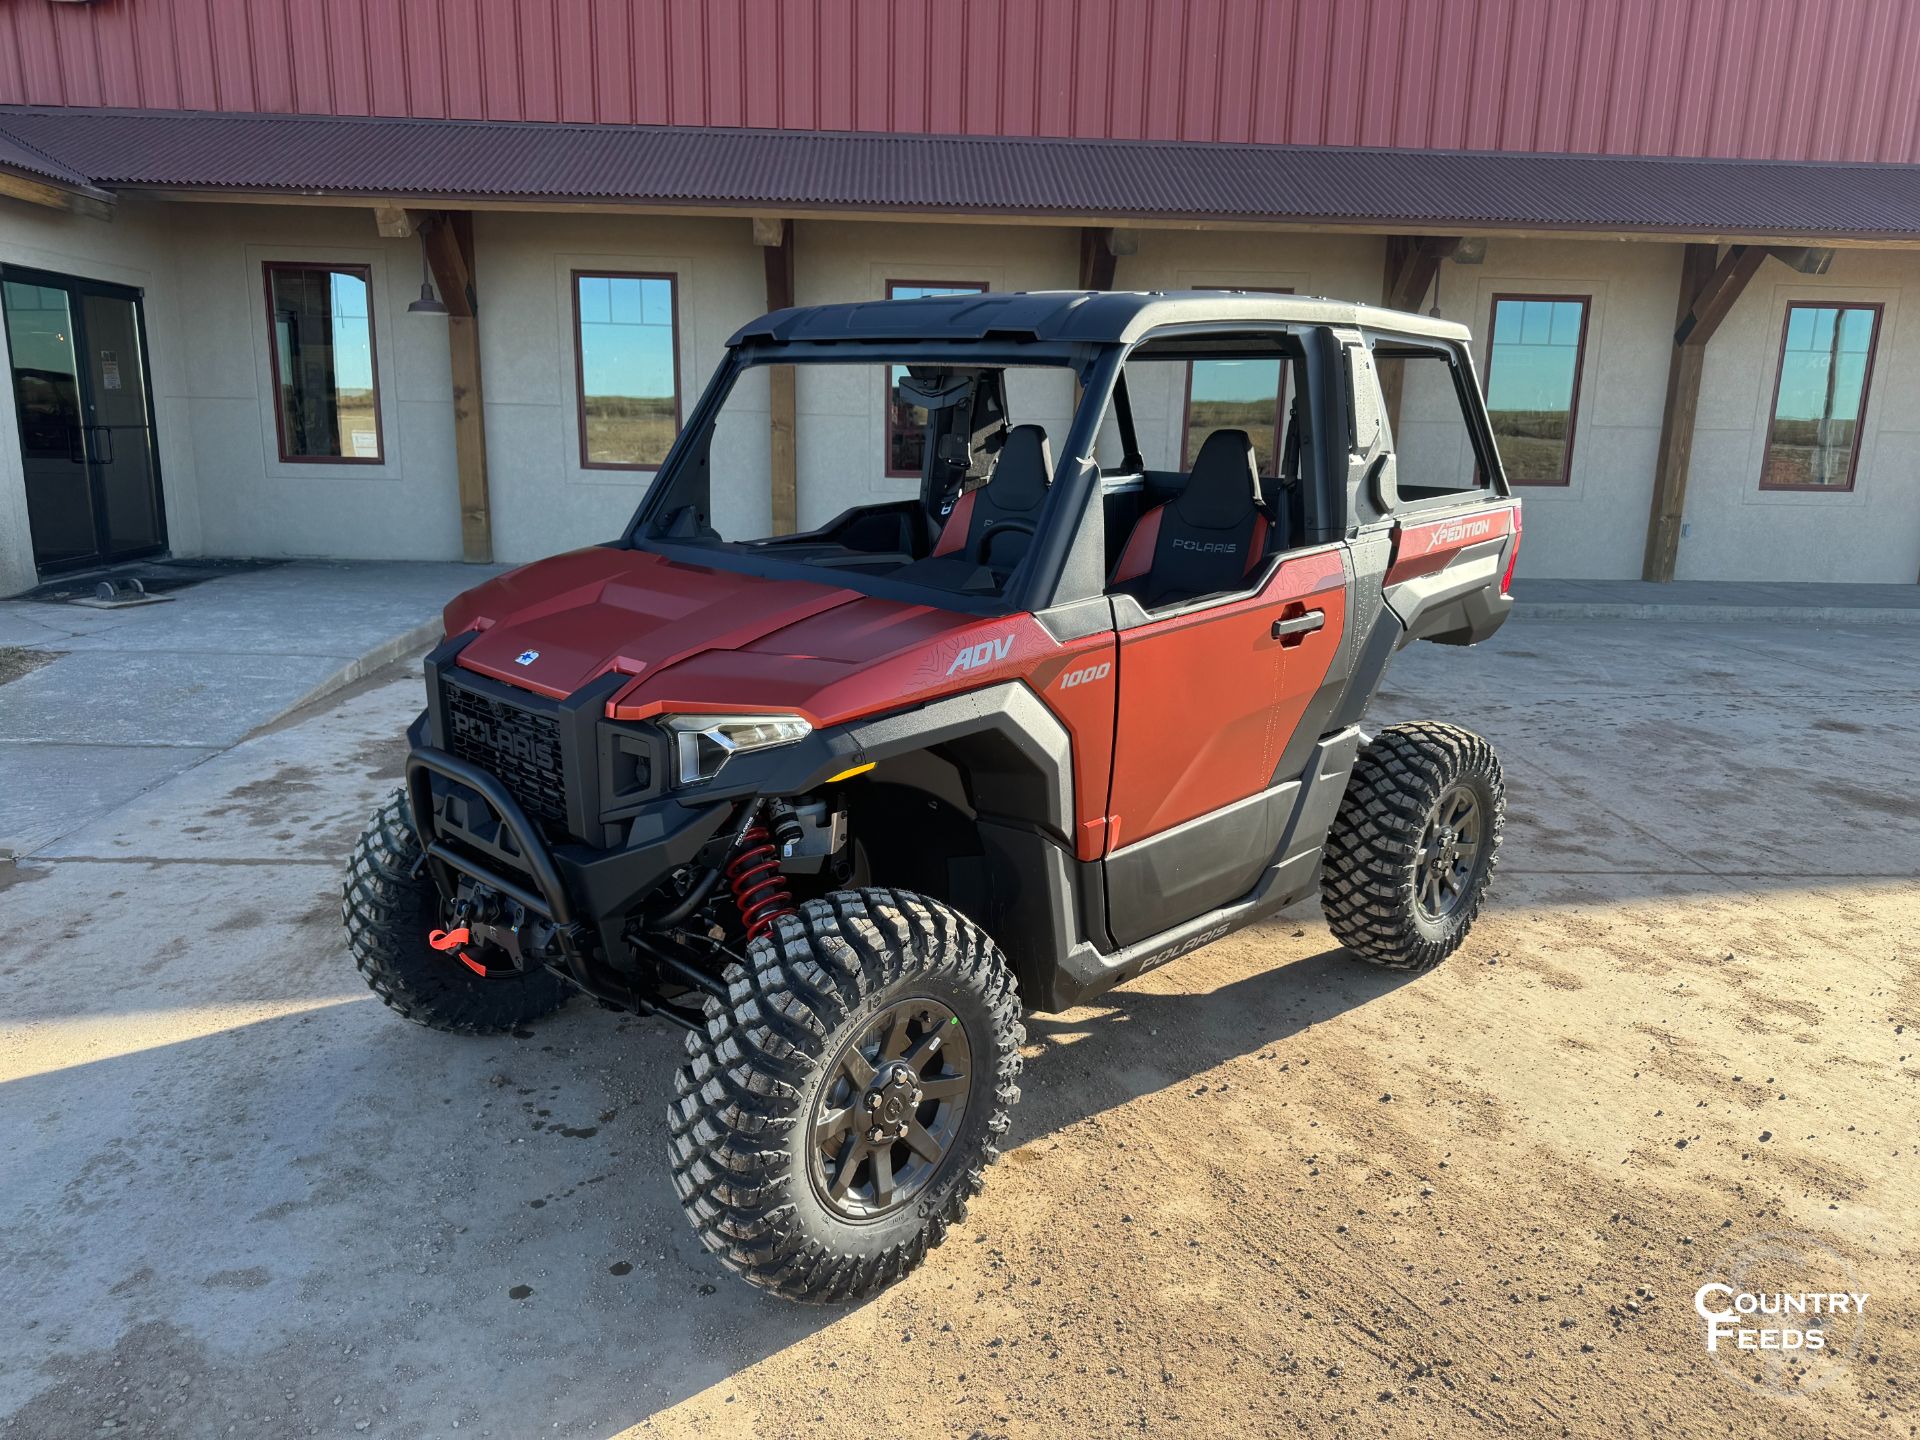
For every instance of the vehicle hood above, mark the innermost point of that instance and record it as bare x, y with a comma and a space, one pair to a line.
693, 638
560, 623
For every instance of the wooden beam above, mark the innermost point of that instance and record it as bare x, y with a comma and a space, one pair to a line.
1101, 246
1715, 298
393, 221
1412, 262
1097, 257
470, 440
449, 242
776, 242
1709, 286
451, 259
980, 215
95, 205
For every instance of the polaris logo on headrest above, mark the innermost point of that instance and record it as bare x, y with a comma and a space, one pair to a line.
1207, 547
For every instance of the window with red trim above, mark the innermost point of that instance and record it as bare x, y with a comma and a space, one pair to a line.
627, 356
326, 386
907, 424
1820, 396
1534, 359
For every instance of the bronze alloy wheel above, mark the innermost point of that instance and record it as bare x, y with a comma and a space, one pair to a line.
1449, 850
890, 1110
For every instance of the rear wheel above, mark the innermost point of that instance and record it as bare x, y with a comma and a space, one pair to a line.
390, 906
844, 1100
1410, 856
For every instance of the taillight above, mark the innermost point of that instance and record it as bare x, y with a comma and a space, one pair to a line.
1513, 555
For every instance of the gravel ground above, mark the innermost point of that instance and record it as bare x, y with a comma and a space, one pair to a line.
1266, 1190
15, 661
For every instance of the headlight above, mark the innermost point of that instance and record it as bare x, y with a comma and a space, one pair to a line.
704, 743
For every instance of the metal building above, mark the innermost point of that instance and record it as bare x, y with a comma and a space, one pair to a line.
1682, 234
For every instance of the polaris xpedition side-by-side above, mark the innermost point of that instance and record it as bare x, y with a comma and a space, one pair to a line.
1072, 684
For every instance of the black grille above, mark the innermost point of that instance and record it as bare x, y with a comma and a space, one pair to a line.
521, 747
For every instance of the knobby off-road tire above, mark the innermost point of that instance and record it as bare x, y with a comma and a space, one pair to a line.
390, 906
1391, 853
752, 1142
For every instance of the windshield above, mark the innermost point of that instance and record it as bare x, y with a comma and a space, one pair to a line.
926, 474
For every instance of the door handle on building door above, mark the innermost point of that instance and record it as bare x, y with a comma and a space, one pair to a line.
1292, 629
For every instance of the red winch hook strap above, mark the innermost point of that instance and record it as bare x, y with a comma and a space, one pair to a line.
453, 940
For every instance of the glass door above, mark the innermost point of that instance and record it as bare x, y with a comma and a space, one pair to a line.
86, 419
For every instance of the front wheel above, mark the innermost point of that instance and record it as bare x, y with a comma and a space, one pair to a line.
389, 905
842, 1103
1411, 853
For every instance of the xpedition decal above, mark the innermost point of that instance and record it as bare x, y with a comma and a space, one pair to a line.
1459, 532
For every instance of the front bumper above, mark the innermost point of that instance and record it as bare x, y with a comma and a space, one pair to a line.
606, 829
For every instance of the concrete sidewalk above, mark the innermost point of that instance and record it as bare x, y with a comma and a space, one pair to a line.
135, 696
1717, 602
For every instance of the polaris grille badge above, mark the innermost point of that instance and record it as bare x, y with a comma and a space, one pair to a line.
526, 657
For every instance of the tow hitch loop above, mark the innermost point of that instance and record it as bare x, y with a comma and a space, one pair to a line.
453, 940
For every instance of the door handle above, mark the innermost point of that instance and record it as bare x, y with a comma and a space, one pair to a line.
103, 440
1296, 628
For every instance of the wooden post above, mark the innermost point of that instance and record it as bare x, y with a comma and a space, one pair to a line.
1709, 284
1411, 265
775, 238
449, 241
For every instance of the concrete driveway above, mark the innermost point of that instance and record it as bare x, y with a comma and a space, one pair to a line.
1264, 1190
101, 705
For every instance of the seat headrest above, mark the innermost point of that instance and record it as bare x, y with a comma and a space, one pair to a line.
1224, 488
1020, 477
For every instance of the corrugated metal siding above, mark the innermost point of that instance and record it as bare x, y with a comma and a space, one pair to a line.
1108, 178
1760, 79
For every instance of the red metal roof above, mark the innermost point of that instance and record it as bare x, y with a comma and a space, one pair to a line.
1110, 179
1754, 79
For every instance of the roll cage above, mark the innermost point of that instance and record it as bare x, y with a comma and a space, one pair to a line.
1095, 335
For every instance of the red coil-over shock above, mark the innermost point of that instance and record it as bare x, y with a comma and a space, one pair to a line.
753, 874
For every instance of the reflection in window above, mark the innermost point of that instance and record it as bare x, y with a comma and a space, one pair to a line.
907, 424
629, 370
1247, 395
323, 369
1825, 360
1432, 434
46, 388
1533, 384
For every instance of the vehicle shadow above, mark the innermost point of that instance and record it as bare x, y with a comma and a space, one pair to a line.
334, 1203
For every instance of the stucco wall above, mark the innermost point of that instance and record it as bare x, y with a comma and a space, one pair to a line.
1734, 529
251, 501
228, 493
1595, 526
543, 500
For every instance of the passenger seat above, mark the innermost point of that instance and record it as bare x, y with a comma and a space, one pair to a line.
994, 524
1207, 539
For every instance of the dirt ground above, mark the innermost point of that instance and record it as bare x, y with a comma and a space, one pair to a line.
1264, 1191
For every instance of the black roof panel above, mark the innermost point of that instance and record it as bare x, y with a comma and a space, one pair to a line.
1067, 316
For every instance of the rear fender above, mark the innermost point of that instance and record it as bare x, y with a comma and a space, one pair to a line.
1445, 578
